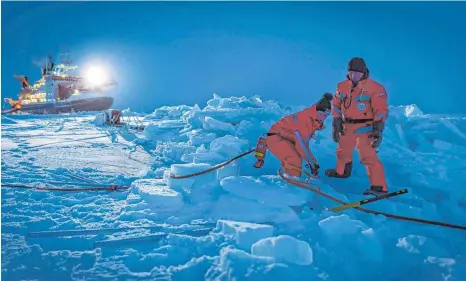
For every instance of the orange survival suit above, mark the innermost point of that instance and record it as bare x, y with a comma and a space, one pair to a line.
359, 112
288, 139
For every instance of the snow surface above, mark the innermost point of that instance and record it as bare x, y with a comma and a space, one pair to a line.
158, 194
284, 248
236, 223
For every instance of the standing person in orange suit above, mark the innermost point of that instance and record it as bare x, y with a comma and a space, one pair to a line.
288, 139
359, 112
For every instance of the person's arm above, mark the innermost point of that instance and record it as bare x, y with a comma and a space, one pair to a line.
380, 112
303, 134
337, 115
336, 105
379, 104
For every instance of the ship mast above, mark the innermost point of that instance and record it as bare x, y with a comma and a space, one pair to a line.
65, 56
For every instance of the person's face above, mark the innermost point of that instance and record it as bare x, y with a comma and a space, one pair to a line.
355, 76
321, 116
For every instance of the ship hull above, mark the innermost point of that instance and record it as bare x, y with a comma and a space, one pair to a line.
89, 104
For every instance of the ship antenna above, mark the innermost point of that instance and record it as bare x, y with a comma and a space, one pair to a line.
65, 55
44, 70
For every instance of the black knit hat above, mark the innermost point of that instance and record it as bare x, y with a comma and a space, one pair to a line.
357, 64
325, 102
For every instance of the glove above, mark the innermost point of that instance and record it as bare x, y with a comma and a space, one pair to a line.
315, 169
376, 135
337, 124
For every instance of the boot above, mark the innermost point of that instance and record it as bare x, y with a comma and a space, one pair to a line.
375, 190
346, 173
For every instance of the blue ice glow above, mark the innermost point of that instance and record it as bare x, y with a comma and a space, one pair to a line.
235, 223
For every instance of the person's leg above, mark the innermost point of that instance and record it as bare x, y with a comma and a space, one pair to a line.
286, 153
371, 161
344, 154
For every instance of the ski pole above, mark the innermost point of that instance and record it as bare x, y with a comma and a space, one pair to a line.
94, 231
150, 238
365, 201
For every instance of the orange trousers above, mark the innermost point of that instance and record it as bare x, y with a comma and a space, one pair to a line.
358, 135
286, 152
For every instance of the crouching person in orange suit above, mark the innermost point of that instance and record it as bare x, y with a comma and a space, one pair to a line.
359, 112
288, 139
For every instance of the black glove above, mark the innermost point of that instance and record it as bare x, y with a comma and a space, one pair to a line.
315, 169
337, 124
377, 129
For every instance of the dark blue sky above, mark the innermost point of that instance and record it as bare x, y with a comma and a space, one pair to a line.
165, 53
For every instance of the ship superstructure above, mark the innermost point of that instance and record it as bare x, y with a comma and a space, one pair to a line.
62, 89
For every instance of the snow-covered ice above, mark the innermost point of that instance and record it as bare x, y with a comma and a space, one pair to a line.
245, 234
157, 194
285, 249
234, 223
